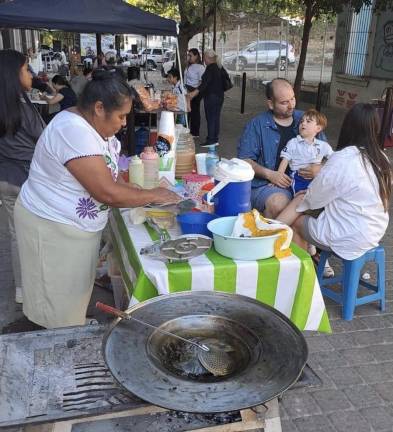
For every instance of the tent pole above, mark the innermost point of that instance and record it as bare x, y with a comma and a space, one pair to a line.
181, 78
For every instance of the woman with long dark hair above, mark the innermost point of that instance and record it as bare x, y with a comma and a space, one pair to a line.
63, 206
20, 127
192, 80
353, 189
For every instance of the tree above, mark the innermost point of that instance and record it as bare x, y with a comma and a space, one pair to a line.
314, 9
187, 12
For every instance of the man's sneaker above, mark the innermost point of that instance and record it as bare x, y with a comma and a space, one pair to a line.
18, 295
208, 145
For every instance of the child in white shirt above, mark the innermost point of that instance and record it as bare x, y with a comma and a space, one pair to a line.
305, 149
181, 92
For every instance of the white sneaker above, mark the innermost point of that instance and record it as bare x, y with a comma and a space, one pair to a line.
18, 295
328, 271
366, 276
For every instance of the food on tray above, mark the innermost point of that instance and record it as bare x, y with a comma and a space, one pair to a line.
253, 224
148, 103
169, 101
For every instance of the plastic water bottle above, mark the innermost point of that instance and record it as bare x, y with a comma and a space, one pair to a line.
151, 163
211, 159
136, 171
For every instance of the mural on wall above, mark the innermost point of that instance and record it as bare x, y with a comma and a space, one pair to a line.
345, 99
383, 60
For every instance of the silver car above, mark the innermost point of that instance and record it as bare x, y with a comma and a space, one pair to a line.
266, 53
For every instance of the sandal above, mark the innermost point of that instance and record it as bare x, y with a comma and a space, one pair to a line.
328, 271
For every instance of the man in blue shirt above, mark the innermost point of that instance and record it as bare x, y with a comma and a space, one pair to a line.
261, 143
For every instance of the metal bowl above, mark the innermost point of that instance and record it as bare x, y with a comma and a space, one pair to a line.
268, 350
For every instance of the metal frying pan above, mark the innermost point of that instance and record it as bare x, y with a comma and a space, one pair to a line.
267, 350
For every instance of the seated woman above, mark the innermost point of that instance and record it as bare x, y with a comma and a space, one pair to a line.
64, 96
353, 189
63, 206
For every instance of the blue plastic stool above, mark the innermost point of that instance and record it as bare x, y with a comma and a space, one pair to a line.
351, 279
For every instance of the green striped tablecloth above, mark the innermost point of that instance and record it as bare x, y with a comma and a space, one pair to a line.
289, 285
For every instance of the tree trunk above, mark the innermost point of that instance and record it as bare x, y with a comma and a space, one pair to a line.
303, 52
184, 37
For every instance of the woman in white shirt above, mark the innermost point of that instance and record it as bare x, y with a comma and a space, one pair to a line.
63, 206
192, 80
353, 189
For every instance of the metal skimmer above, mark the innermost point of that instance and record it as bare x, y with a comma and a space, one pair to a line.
217, 360
213, 357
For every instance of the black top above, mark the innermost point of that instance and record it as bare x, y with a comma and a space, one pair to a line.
212, 81
16, 151
286, 134
69, 99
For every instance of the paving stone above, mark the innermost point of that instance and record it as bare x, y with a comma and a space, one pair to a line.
327, 382
356, 356
369, 337
378, 417
342, 341
299, 405
288, 426
331, 400
377, 322
339, 326
363, 396
345, 421
316, 344
314, 424
375, 373
344, 376
382, 352
327, 359
368, 309
385, 390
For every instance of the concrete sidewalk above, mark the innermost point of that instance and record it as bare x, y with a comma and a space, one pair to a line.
355, 362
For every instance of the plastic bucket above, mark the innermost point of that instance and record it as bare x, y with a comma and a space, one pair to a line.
233, 198
195, 223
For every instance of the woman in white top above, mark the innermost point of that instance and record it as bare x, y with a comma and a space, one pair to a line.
63, 206
192, 80
353, 189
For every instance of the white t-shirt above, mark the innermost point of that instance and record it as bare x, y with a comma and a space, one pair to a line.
179, 91
300, 153
193, 74
354, 220
51, 191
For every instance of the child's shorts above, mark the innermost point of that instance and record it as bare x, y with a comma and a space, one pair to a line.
299, 183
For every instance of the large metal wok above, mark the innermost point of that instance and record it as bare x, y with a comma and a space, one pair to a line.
269, 352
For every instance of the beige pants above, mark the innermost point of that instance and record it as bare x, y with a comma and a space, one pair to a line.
58, 263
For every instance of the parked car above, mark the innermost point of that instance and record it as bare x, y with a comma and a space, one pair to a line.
267, 53
168, 62
151, 57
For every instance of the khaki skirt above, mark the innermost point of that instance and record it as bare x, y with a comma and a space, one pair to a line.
58, 263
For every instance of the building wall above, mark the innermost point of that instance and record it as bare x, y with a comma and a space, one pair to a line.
19, 40
346, 90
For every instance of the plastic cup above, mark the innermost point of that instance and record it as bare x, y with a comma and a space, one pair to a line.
201, 163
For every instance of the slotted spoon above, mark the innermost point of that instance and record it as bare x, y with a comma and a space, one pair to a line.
215, 359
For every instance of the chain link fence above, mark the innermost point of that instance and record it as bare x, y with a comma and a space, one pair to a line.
265, 51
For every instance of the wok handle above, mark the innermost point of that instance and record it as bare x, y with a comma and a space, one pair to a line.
111, 310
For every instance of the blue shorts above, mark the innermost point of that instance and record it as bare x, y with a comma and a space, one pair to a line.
299, 183
261, 194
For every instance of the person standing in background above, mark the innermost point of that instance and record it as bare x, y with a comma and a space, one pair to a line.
212, 91
20, 127
192, 79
